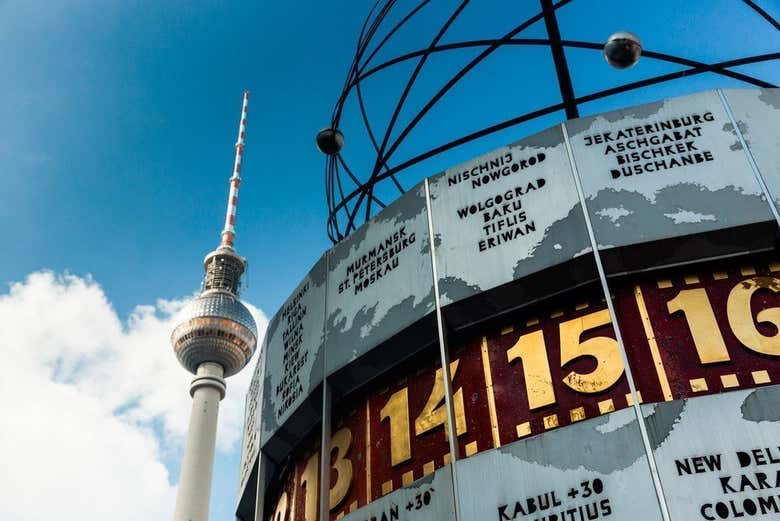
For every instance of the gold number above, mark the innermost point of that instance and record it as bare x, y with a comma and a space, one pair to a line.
532, 351
340, 442
609, 364
310, 481
397, 411
435, 411
280, 514
706, 334
741, 316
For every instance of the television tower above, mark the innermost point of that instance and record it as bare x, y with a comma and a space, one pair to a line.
216, 339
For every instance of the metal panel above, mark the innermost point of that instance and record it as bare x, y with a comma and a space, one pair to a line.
591, 470
505, 215
427, 499
757, 112
294, 365
379, 280
251, 441
718, 456
663, 170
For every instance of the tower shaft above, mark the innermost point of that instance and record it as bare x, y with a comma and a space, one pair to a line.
192, 498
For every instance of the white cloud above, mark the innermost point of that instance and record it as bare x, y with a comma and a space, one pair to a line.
90, 405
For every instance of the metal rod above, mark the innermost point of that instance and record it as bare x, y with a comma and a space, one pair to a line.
766, 16
367, 124
380, 157
618, 336
552, 108
363, 195
326, 430
452, 435
325, 453
522, 42
456, 77
559, 58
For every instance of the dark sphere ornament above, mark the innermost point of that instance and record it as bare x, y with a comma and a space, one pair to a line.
622, 50
330, 141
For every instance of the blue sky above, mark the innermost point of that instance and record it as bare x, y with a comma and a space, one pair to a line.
119, 120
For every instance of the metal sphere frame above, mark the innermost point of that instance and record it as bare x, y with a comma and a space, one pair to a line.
346, 207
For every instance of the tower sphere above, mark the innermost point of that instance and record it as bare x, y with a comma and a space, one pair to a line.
330, 141
622, 50
216, 327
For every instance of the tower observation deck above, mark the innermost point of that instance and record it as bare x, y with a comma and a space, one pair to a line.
215, 339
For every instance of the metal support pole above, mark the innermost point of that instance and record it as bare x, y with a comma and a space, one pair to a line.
452, 435
618, 335
559, 58
325, 453
326, 434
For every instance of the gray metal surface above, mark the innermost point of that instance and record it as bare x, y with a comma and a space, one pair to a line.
370, 301
506, 215
757, 112
250, 445
294, 354
427, 499
595, 467
721, 455
718, 191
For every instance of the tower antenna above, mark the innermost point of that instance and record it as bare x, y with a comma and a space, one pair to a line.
229, 232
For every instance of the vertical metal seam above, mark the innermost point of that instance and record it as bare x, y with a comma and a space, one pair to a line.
325, 429
325, 454
247, 399
443, 354
749, 155
655, 352
490, 396
260, 485
658, 362
368, 452
626, 367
